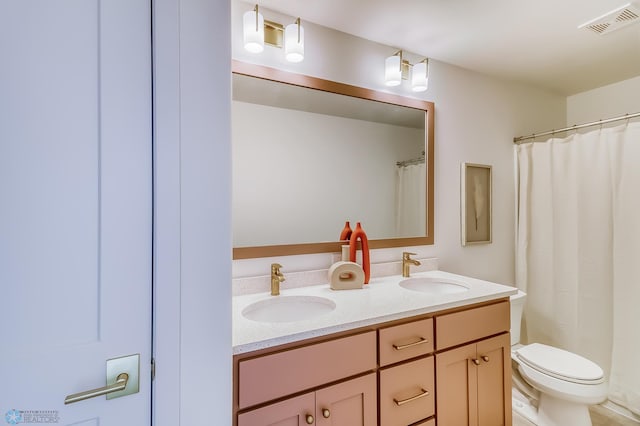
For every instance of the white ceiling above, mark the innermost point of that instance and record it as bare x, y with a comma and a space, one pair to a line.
532, 41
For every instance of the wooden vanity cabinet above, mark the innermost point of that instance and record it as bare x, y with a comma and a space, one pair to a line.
474, 380
449, 368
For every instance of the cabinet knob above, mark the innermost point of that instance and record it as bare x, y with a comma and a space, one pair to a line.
475, 361
326, 413
485, 358
310, 419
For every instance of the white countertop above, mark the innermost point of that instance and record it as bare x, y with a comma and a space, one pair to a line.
380, 301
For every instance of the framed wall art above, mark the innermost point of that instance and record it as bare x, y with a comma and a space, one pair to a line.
475, 204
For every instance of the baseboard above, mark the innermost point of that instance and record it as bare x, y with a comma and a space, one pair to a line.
610, 405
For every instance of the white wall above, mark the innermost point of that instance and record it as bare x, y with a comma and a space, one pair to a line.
604, 102
476, 118
288, 155
192, 213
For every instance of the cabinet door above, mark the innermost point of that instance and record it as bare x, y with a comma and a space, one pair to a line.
494, 381
352, 403
291, 412
456, 387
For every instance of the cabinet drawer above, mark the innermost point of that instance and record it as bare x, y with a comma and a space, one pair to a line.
407, 393
466, 326
401, 342
430, 422
272, 376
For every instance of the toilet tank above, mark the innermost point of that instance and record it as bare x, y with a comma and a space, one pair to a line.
517, 305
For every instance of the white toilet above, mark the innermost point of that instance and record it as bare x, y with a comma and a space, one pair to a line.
551, 386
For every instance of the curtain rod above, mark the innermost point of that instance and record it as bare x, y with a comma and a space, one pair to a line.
411, 162
576, 126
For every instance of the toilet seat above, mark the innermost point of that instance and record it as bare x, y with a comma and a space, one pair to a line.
562, 389
560, 364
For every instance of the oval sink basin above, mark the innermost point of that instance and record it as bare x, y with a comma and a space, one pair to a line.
288, 308
434, 285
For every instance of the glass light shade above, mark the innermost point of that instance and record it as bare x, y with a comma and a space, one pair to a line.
253, 38
420, 77
392, 71
294, 47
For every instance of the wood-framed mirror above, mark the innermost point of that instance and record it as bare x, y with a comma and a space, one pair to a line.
310, 154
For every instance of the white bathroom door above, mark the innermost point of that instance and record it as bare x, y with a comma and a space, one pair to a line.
75, 207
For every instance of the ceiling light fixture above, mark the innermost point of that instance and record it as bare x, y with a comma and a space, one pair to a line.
257, 32
396, 69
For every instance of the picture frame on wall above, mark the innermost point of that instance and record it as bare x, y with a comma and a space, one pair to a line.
475, 203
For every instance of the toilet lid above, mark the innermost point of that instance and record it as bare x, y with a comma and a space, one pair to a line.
560, 364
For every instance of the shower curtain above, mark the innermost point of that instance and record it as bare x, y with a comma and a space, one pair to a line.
411, 199
578, 249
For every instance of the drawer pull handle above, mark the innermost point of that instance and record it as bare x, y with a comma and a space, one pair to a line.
413, 398
485, 358
476, 361
410, 345
310, 419
326, 413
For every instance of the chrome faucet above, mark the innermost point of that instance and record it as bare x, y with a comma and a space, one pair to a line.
407, 262
276, 278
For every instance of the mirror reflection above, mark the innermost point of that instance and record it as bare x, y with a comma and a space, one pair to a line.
305, 161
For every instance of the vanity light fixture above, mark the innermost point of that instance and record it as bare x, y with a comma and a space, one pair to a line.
253, 30
294, 42
396, 69
257, 31
393, 69
420, 76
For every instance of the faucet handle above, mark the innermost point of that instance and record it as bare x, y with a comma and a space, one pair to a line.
406, 255
275, 269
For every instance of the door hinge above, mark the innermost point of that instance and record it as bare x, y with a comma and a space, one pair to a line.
153, 369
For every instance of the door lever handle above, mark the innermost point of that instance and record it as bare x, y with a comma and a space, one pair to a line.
122, 379
119, 385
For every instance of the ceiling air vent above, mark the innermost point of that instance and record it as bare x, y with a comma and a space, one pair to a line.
614, 20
